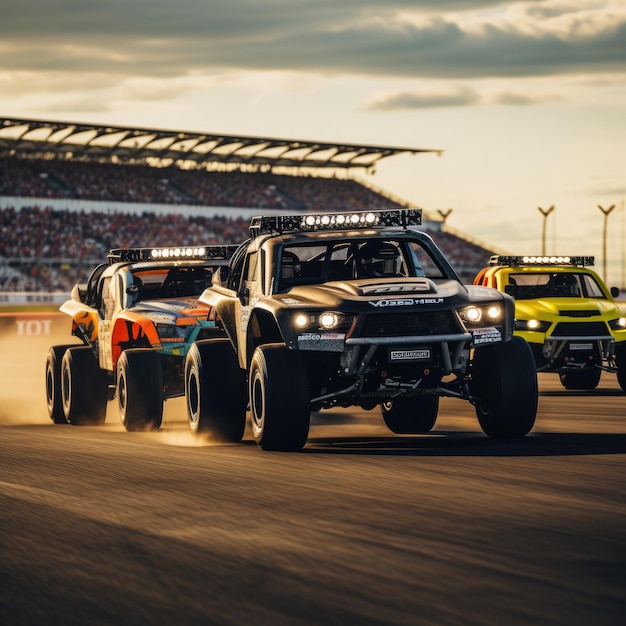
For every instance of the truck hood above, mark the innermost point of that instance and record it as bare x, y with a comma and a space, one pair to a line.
565, 307
405, 290
170, 309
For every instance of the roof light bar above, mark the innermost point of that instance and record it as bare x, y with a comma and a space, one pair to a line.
278, 224
541, 260
133, 255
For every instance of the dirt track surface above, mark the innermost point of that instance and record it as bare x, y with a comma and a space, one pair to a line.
101, 526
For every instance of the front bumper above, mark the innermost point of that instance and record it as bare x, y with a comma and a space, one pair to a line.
410, 365
569, 353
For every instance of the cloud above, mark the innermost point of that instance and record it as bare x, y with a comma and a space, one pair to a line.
462, 96
428, 38
509, 98
17, 83
82, 105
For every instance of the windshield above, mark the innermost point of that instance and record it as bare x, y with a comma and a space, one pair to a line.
353, 259
172, 282
529, 286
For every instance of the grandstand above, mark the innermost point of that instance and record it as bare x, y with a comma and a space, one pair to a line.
69, 192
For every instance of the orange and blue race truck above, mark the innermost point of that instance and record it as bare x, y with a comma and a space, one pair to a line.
136, 316
566, 313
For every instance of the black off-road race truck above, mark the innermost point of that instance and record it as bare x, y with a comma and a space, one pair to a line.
352, 309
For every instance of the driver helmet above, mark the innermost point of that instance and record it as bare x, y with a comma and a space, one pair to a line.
379, 259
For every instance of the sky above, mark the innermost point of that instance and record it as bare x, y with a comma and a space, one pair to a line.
526, 100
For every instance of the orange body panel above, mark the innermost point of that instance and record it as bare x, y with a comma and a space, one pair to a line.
132, 331
87, 320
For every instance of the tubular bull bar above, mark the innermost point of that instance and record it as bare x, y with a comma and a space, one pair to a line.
554, 346
353, 364
451, 359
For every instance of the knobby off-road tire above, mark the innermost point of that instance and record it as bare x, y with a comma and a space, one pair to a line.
54, 400
587, 378
215, 391
279, 398
411, 416
504, 380
140, 389
84, 391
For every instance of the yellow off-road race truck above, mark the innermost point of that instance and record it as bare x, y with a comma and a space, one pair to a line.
566, 313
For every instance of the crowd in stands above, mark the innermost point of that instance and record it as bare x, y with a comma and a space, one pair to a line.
54, 249
466, 257
48, 249
55, 244
56, 179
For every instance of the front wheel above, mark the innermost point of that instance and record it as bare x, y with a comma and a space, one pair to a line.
411, 416
279, 398
140, 389
84, 389
215, 390
587, 378
504, 384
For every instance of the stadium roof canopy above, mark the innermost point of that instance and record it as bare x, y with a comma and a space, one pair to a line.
118, 144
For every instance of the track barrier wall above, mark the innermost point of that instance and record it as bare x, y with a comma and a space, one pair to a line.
26, 324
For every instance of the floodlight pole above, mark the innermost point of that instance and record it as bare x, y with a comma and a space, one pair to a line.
444, 215
623, 245
605, 220
545, 213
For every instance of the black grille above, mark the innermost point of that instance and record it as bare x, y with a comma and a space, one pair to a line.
576, 313
581, 329
399, 324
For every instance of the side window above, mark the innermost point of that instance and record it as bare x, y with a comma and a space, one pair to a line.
262, 270
592, 289
94, 294
251, 286
424, 263
108, 298
234, 275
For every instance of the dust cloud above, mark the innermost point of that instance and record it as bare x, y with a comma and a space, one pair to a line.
25, 339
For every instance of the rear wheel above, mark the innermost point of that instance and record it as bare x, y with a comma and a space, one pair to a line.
140, 389
411, 416
53, 383
215, 390
504, 383
84, 389
279, 398
587, 378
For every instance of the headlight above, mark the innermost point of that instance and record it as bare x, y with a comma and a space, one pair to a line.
535, 325
494, 313
487, 314
472, 314
618, 324
302, 321
170, 331
327, 320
